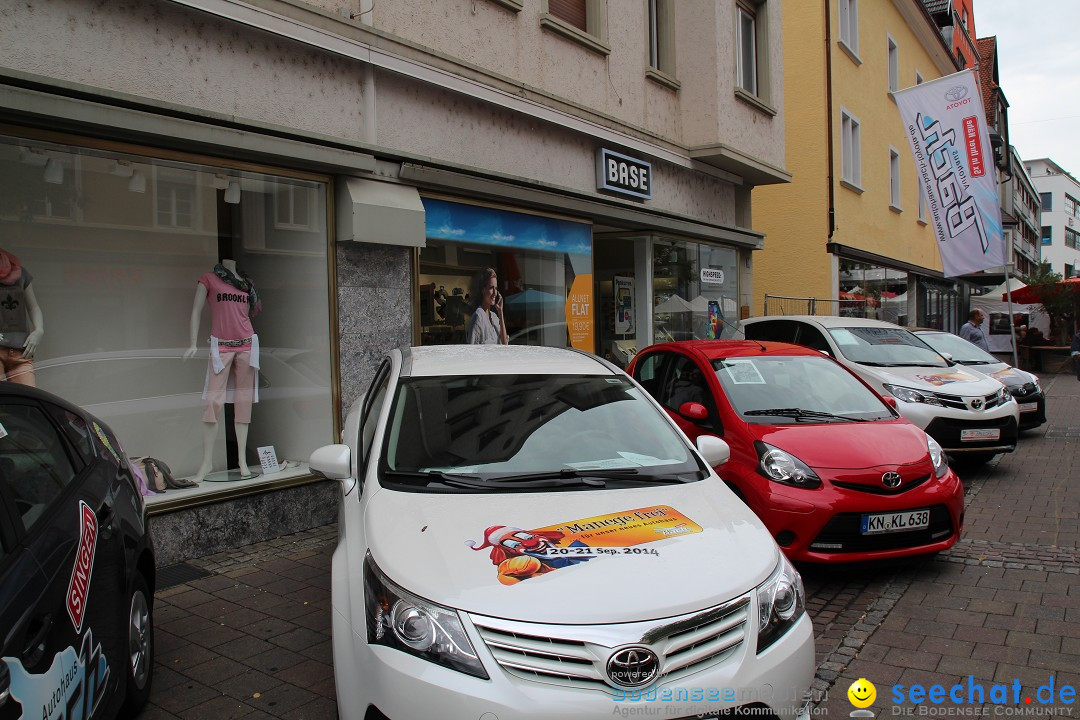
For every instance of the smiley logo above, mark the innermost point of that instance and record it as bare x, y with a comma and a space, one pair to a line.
862, 693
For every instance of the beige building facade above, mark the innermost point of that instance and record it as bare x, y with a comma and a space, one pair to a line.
849, 234
360, 162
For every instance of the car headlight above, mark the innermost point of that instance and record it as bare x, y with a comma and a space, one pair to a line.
937, 456
781, 601
400, 620
911, 395
784, 468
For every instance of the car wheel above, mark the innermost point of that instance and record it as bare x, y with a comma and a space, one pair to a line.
140, 647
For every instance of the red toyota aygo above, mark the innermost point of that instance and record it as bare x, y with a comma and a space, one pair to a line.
830, 467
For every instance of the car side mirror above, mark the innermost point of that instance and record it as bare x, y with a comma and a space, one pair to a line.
334, 462
694, 411
713, 449
889, 400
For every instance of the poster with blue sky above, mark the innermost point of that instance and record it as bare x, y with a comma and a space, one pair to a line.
461, 223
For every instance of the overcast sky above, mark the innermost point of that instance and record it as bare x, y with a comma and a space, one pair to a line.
1039, 69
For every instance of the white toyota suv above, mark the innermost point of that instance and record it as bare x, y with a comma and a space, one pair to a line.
524, 533
968, 413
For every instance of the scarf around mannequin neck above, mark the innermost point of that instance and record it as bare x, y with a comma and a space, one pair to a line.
242, 283
10, 269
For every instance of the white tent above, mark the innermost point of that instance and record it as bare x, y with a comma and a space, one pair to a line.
991, 304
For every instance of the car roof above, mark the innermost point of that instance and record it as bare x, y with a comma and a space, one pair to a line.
454, 360
10, 389
714, 349
828, 321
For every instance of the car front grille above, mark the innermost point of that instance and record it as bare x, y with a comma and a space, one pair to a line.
843, 534
880, 489
577, 656
958, 402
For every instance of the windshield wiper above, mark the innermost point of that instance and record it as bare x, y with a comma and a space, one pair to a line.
800, 413
475, 482
626, 474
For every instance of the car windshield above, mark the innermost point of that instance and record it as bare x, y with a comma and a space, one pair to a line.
512, 430
788, 390
960, 349
885, 347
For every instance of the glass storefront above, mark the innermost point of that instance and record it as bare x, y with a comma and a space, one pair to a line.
872, 291
695, 291
117, 252
939, 306
543, 265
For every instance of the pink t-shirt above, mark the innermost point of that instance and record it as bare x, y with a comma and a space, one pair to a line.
228, 311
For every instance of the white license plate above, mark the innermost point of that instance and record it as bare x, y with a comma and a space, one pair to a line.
980, 434
895, 522
1028, 407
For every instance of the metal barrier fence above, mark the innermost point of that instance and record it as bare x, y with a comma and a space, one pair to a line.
788, 305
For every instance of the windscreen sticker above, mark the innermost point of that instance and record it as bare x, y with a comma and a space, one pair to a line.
1004, 374
940, 379
79, 587
743, 372
105, 441
521, 554
71, 689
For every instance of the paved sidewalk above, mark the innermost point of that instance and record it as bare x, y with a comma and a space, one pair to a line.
251, 639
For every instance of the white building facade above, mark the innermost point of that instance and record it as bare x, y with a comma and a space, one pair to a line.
1059, 195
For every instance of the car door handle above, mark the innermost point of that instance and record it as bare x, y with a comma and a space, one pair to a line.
105, 517
35, 644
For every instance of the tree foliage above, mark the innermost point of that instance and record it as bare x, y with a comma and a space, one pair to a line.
1060, 302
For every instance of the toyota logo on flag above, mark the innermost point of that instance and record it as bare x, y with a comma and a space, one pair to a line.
956, 92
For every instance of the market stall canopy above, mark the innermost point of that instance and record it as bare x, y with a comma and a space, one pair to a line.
1035, 293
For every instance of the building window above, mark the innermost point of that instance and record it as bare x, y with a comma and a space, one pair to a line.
851, 149
174, 196
918, 78
1047, 235
849, 25
1071, 237
662, 36
293, 205
922, 207
583, 21
1047, 201
894, 66
961, 61
1072, 208
1070, 271
894, 179
747, 44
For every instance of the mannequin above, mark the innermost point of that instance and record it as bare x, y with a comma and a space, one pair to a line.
21, 322
232, 374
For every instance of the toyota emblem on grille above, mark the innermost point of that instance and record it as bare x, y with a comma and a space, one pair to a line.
633, 667
891, 480
976, 404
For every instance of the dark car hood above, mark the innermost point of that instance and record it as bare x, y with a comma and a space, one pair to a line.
848, 445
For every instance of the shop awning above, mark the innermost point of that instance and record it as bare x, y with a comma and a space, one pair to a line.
376, 212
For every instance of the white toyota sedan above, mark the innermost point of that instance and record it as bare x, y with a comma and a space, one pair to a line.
524, 533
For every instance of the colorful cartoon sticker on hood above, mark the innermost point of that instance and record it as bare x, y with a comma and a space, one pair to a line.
940, 379
71, 689
521, 554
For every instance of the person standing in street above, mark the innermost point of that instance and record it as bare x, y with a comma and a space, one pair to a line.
487, 326
972, 330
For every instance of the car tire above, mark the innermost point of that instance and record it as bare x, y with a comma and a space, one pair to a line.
139, 645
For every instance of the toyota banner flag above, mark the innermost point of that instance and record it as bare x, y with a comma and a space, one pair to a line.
946, 126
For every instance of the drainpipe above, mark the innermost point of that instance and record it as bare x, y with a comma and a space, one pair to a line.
829, 114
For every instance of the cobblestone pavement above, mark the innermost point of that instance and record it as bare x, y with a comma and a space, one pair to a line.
251, 638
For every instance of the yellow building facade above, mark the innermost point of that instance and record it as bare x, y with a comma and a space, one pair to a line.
851, 228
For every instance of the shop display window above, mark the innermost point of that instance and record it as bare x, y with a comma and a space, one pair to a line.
695, 291
543, 266
872, 291
116, 252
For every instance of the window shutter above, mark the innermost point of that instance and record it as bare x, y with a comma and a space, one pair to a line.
570, 11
